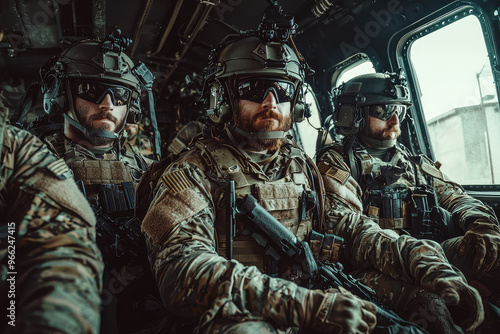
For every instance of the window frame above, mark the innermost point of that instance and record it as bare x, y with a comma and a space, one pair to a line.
418, 135
346, 65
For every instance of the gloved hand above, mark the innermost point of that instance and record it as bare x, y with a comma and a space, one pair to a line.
456, 292
339, 312
476, 253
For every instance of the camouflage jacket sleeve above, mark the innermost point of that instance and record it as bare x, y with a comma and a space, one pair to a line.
196, 283
368, 245
463, 208
58, 265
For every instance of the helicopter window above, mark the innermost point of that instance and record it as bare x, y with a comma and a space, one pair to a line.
308, 129
458, 98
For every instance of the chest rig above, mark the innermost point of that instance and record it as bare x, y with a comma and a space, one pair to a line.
397, 194
284, 191
107, 179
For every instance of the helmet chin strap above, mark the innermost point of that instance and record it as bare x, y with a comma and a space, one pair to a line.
89, 134
259, 134
375, 143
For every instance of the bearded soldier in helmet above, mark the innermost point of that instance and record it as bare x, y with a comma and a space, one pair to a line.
50, 267
211, 273
370, 172
96, 88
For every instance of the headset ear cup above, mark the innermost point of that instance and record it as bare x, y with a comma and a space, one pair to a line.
219, 111
134, 115
220, 115
346, 120
298, 112
50, 89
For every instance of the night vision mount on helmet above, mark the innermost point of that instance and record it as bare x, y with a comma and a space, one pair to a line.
103, 61
101, 67
349, 116
267, 53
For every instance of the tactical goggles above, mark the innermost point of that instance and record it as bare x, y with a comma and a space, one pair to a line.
95, 92
256, 90
385, 111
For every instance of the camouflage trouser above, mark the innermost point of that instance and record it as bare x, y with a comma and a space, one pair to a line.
488, 285
175, 325
225, 326
466, 262
410, 302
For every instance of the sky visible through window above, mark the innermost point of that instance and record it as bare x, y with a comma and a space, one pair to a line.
447, 63
363, 68
459, 100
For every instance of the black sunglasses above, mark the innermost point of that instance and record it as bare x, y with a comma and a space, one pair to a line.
385, 111
95, 92
256, 90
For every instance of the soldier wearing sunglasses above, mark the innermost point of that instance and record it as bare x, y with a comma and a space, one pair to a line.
370, 172
90, 92
252, 89
216, 279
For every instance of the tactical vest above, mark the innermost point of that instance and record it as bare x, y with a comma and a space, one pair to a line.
397, 194
387, 187
109, 182
285, 197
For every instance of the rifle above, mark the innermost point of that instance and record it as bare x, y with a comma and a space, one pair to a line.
282, 245
120, 241
429, 220
118, 237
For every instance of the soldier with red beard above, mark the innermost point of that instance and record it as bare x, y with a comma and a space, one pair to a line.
213, 281
208, 287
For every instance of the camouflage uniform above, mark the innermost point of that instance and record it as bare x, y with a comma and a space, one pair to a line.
184, 136
346, 196
109, 178
58, 265
466, 212
185, 231
95, 78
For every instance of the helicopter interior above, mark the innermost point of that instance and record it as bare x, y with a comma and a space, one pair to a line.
448, 50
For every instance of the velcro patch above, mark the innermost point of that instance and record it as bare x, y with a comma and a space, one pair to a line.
338, 174
169, 211
432, 170
60, 169
176, 181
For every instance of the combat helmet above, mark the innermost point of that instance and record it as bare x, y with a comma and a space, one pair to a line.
267, 53
350, 98
91, 61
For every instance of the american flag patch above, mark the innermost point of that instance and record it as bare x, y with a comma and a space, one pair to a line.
338, 174
176, 181
60, 169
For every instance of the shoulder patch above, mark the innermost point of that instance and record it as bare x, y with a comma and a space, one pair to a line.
176, 181
65, 194
428, 167
169, 211
338, 174
60, 169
